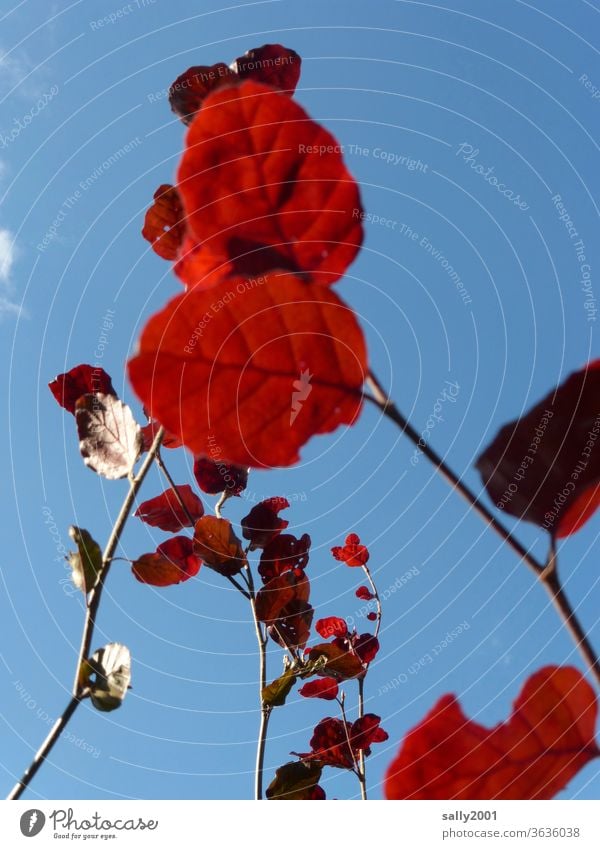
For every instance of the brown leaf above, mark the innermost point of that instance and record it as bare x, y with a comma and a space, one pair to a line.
217, 545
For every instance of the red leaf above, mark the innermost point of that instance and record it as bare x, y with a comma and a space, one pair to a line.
329, 742
292, 630
149, 432
214, 477
165, 512
331, 626
321, 688
80, 380
279, 592
533, 755
364, 593
353, 553
271, 64
285, 553
545, 467
164, 224
262, 524
188, 92
216, 543
171, 563
235, 372
264, 186
366, 647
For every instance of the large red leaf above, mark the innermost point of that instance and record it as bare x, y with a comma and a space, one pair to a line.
165, 512
265, 186
533, 755
545, 467
217, 367
263, 523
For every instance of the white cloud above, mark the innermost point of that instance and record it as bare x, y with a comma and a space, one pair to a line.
7, 258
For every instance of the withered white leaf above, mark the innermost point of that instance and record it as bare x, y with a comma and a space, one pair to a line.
110, 440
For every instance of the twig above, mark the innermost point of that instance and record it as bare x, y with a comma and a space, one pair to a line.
361, 684
80, 691
546, 574
265, 710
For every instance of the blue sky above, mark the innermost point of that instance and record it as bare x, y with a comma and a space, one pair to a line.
507, 85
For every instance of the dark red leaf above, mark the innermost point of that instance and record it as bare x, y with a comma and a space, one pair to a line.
331, 626
296, 780
364, 593
234, 374
321, 688
188, 92
216, 543
283, 554
352, 553
292, 630
263, 524
372, 617
366, 731
165, 512
545, 467
341, 662
330, 745
80, 380
366, 647
214, 477
266, 187
533, 755
173, 562
271, 64
164, 224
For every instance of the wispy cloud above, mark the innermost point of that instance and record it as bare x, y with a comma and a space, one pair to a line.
7, 258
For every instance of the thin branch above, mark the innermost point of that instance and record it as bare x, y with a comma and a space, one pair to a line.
361, 755
265, 710
546, 574
93, 602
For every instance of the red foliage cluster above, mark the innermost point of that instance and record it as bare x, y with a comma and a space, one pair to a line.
352, 553
338, 743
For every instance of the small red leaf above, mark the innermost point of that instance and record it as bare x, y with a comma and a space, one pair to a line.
214, 477
533, 755
165, 512
366, 647
266, 187
164, 224
234, 374
271, 64
80, 380
341, 662
283, 554
352, 553
364, 593
331, 626
171, 563
321, 688
336, 743
263, 524
188, 92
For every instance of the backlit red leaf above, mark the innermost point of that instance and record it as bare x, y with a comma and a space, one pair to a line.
533, 755
173, 562
78, 381
331, 626
263, 524
320, 688
341, 662
214, 477
164, 224
337, 743
266, 187
545, 467
165, 512
364, 593
219, 366
352, 553
217, 545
